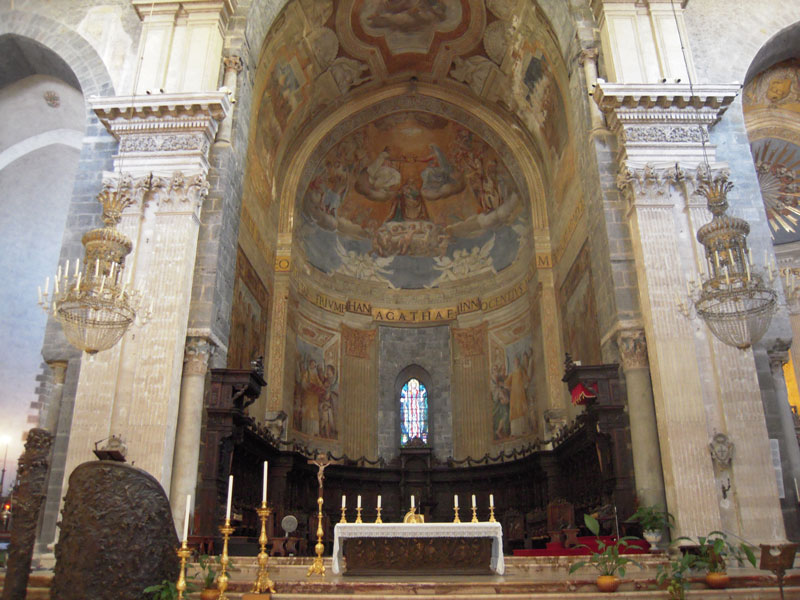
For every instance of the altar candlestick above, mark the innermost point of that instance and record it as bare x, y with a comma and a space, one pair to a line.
455, 500
379, 500
186, 517
230, 497
264, 487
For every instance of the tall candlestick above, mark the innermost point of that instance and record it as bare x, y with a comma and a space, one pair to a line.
230, 497
264, 486
186, 518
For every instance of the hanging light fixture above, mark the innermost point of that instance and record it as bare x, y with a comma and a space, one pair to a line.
733, 299
96, 304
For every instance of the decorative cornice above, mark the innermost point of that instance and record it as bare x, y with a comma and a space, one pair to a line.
650, 184
163, 133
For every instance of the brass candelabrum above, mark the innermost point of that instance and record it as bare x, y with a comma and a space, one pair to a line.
358, 515
455, 510
263, 584
183, 554
474, 514
491, 514
378, 518
317, 567
222, 579
344, 518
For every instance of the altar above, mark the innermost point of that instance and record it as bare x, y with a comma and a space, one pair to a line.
418, 548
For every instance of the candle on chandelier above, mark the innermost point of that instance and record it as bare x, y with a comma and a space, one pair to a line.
747, 268
58, 273
77, 263
186, 517
412, 500
39, 289
55, 286
66, 270
96, 267
473, 500
77, 281
344, 500
491, 500
46, 285
379, 500
230, 497
730, 254
264, 486
455, 500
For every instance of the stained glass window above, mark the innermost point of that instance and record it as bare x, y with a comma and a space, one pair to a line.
413, 412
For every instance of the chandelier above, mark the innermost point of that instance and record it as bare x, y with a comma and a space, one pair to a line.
733, 300
94, 303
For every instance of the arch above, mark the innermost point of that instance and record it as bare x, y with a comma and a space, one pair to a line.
781, 46
413, 372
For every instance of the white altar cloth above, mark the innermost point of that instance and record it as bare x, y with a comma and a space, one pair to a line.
407, 530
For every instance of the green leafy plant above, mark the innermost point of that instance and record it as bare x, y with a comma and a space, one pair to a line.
675, 576
653, 518
165, 590
607, 559
714, 552
208, 570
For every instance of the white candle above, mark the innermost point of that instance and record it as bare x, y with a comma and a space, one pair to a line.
40, 294
473, 500
186, 517
55, 286
455, 500
412, 501
230, 497
491, 500
379, 500
264, 486
77, 262
46, 285
78, 281
58, 273
102, 284
96, 267
343, 500
358, 501
66, 270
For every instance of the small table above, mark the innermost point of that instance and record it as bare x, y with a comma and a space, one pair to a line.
418, 548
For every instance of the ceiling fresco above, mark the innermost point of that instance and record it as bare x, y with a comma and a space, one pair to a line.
413, 200
772, 100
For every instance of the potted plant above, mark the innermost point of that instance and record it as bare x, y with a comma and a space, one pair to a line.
165, 590
675, 576
654, 521
607, 559
714, 552
208, 574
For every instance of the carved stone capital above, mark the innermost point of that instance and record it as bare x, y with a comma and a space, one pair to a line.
778, 355
358, 342
588, 54
471, 341
196, 355
59, 368
179, 193
632, 346
650, 184
233, 63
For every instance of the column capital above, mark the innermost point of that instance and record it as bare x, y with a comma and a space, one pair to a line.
588, 54
632, 346
197, 352
59, 368
778, 354
233, 63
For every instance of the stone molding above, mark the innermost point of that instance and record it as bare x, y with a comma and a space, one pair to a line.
663, 122
632, 346
196, 355
163, 133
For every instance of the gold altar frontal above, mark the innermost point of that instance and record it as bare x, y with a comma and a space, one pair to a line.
418, 556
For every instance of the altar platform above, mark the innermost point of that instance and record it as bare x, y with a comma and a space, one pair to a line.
530, 578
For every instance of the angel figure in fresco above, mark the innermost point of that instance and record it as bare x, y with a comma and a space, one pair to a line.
308, 393
363, 266
501, 424
440, 179
327, 404
381, 175
518, 397
464, 263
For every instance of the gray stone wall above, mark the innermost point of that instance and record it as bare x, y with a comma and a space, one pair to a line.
429, 348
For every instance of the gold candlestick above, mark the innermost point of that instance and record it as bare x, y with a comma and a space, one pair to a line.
491, 514
456, 519
222, 580
474, 514
378, 518
358, 515
263, 584
317, 568
343, 519
183, 553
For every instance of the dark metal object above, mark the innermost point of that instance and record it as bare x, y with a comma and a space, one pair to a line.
418, 556
28, 499
117, 534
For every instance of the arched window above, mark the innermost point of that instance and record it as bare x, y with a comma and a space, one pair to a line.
413, 412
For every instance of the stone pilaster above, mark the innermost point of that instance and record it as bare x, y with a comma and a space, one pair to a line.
59, 368
233, 66
641, 410
279, 321
190, 417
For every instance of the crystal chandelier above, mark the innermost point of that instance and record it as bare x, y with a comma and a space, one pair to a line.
95, 304
733, 300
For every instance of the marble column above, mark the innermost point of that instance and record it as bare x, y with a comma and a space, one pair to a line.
277, 342
233, 66
642, 412
778, 357
186, 457
59, 368
588, 58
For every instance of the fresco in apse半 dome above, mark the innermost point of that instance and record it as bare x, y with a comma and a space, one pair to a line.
412, 200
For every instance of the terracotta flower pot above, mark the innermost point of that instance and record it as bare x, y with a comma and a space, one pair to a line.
717, 581
209, 594
608, 583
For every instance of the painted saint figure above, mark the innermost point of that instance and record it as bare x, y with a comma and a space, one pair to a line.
518, 398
